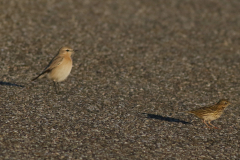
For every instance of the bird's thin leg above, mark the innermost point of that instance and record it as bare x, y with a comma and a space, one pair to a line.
55, 86
58, 87
212, 125
206, 124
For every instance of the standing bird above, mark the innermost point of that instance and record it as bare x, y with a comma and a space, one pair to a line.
59, 67
208, 114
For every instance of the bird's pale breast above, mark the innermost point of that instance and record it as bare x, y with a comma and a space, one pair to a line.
211, 116
61, 72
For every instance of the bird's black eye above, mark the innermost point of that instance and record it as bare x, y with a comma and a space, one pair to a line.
67, 50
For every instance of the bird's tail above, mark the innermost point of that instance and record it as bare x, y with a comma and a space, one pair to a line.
186, 112
39, 76
190, 112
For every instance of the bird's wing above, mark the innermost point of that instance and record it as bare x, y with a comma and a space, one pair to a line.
204, 109
54, 63
57, 60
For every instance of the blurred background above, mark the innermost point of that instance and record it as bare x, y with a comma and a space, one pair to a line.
140, 65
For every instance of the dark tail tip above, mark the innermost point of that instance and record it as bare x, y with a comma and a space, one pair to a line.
34, 78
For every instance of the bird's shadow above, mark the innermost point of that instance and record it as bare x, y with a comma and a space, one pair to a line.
10, 84
169, 119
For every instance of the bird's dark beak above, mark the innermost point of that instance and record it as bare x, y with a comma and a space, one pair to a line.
75, 50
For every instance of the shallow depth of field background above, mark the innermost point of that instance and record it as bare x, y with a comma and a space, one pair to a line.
140, 65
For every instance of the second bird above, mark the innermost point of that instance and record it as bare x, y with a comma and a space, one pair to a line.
208, 114
59, 67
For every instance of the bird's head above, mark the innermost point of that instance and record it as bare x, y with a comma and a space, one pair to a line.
223, 103
66, 50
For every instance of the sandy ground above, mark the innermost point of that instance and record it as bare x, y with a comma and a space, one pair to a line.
140, 65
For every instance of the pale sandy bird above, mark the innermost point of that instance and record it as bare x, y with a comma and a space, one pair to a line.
59, 67
210, 113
